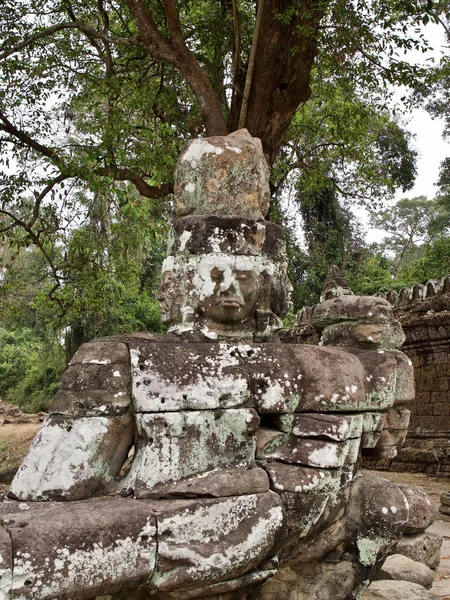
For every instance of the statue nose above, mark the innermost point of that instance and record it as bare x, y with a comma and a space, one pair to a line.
229, 290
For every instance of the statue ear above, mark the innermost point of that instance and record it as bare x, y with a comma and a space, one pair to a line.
264, 293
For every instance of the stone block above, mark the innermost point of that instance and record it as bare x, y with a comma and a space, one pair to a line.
220, 483
397, 418
74, 459
376, 513
113, 378
399, 567
313, 452
422, 547
314, 425
224, 590
397, 590
364, 335
370, 439
196, 235
445, 498
374, 421
203, 542
201, 376
223, 176
380, 374
90, 403
392, 437
404, 382
81, 549
306, 494
330, 380
101, 352
346, 308
173, 446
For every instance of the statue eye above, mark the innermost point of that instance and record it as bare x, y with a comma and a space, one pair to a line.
216, 276
242, 276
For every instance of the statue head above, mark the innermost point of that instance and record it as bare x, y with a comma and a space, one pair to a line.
225, 275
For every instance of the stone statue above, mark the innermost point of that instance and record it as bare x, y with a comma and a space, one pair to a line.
216, 462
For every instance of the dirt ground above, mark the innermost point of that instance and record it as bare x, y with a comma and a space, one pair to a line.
15, 439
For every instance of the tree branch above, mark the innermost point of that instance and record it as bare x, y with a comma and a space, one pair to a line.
174, 51
251, 66
117, 173
81, 26
26, 139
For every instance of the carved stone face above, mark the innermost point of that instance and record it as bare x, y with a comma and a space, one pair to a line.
234, 295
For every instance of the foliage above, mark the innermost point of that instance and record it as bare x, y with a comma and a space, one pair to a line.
409, 224
29, 368
434, 264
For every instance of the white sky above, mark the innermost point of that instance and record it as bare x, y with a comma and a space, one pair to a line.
431, 147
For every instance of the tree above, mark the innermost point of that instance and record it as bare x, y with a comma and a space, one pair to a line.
97, 99
409, 226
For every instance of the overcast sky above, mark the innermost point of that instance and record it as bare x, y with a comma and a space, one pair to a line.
428, 142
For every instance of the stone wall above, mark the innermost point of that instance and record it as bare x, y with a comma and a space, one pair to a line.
424, 312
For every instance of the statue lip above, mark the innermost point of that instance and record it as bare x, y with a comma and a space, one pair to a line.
231, 302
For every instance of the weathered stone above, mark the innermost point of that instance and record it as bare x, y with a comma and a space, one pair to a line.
379, 376
345, 308
373, 424
377, 513
444, 509
6, 564
445, 498
369, 440
114, 378
313, 452
223, 176
422, 547
373, 421
220, 483
209, 376
329, 380
364, 335
421, 510
104, 352
401, 567
224, 590
81, 549
397, 418
397, 590
311, 425
206, 402
335, 285
196, 235
172, 446
305, 493
90, 403
202, 542
74, 459
392, 437
307, 581
404, 383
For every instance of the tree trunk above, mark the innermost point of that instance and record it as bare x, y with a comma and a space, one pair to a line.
284, 59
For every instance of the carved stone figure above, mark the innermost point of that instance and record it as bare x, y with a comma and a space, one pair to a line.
215, 462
